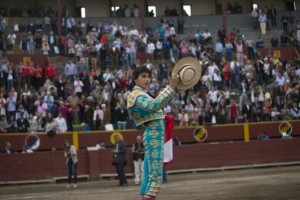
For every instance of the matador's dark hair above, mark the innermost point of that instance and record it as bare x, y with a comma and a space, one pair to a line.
140, 70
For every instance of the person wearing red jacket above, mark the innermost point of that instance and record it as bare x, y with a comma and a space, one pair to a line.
38, 75
50, 72
26, 75
123, 82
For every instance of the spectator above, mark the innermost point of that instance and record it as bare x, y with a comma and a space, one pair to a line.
274, 41
22, 123
2, 104
138, 159
49, 100
78, 87
122, 116
70, 71
106, 114
98, 117
101, 145
295, 111
119, 159
74, 103
11, 125
61, 123
263, 137
3, 124
262, 18
71, 162
51, 125
180, 24
8, 149
254, 15
11, 104
21, 111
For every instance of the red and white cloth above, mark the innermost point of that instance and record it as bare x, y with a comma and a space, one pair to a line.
168, 147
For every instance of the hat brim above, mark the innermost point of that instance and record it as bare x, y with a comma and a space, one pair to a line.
191, 62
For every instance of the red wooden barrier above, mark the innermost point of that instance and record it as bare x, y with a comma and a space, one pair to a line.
47, 165
216, 133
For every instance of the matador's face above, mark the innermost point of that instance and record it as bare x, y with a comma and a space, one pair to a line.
143, 81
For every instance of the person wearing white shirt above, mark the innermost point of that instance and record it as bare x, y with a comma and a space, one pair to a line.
189, 107
79, 48
78, 85
70, 70
134, 32
280, 80
98, 45
212, 68
98, 117
136, 11
213, 95
150, 51
172, 30
61, 123
132, 51
206, 35
107, 75
217, 79
206, 79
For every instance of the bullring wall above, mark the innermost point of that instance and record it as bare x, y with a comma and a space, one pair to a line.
225, 146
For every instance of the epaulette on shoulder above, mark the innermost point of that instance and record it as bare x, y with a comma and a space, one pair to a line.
132, 96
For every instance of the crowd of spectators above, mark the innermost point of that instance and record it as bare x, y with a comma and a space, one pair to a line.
92, 86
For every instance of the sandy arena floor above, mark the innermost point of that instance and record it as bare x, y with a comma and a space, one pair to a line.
275, 183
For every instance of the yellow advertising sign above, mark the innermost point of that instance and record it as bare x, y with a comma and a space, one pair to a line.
285, 127
277, 53
112, 137
200, 134
26, 60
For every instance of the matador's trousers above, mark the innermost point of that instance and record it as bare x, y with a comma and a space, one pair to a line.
153, 140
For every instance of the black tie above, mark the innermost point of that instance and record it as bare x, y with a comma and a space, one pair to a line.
151, 95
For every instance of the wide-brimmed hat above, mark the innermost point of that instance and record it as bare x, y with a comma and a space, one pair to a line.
189, 71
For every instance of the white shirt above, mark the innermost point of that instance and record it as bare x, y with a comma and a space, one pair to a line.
280, 80
78, 85
99, 113
134, 32
61, 124
12, 38
206, 35
217, 77
98, 46
172, 31
213, 95
150, 48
